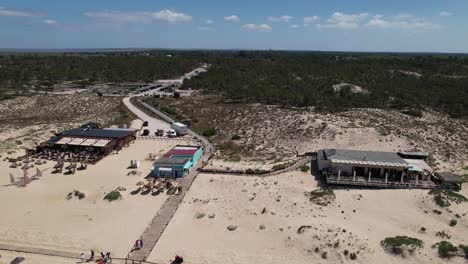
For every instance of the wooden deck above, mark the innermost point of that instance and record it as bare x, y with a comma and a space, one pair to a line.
379, 183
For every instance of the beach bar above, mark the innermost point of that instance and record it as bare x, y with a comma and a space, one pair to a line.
96, 140
373, 169
176, 163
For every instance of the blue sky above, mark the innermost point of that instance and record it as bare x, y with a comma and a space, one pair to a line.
346, 25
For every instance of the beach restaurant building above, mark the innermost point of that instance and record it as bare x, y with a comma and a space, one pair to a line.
177, 162
374, 168
97, 140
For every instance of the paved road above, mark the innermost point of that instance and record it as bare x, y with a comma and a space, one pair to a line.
153, 123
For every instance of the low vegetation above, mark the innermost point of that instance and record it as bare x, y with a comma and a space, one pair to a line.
443, 198
400, 244
76, 194
321, 197
304, 168
112, 196
453, 222
446, 249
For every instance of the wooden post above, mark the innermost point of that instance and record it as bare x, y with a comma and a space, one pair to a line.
386, 177
417, 179
402, 175
354, 176
339, 174
369, 176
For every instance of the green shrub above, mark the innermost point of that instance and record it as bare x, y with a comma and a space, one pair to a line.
443, 198
465, 250
446, 249
321, 197
249, 171
112, 196
304, 168
208, 132
399, 243
453, 222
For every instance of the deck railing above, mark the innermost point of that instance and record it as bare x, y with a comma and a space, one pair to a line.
378, 182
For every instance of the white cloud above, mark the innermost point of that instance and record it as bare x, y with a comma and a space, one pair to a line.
399, 22
310, 19
295, 26
344, 21
202, 28
171, 16
284, 18
140, 17
209, 21
19, 13
261, 27
232, 18
49, 22
445, 13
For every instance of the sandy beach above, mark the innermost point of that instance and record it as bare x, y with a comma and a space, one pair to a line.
40, 216
269, 211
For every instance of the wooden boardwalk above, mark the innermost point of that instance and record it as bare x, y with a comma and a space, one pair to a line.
161, 220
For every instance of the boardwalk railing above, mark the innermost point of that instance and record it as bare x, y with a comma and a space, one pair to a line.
363, 181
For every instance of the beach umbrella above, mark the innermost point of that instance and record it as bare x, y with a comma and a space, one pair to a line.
26, 178
38, 172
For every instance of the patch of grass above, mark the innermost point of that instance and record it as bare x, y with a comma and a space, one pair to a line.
399, 243
321, 197
112, 196
446, 249
304, 168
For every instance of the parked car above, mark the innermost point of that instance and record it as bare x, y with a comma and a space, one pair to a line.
146, 132
159, 133
171, 133
145, 123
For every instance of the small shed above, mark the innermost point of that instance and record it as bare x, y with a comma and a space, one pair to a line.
449, 180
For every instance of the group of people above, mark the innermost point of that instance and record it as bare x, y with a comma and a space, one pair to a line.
105, 258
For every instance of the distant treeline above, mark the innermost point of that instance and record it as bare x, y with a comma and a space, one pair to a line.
19, 69
307, 79
296, 78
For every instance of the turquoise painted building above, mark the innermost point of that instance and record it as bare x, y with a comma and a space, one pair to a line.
177, 162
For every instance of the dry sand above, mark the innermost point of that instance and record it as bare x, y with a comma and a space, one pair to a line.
40, 216
236, 200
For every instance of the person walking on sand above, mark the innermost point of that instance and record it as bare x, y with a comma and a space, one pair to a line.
91, 257
82, 257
